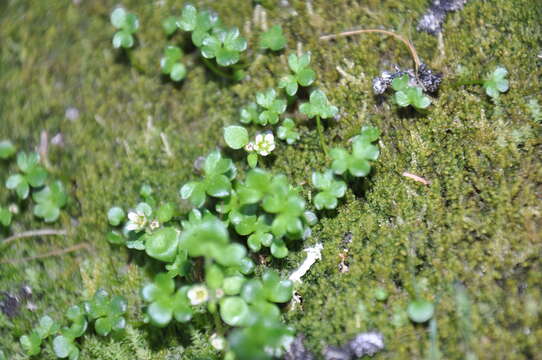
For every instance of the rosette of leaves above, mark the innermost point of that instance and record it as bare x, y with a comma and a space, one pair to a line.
31, 343
49, 201
287, 131
171, 63
223, 45
218, 174
127, 24
200, 23
273, 39
165, 302
107, 313
273, 107
357, 163
302, 74
7, 149
318, 106
256, 300
496, 82
330, 190
207, 236
284, 202
64, 345
406, 94
5, 216
32, 174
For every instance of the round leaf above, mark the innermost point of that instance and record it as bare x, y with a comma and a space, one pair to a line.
115, 215
236, 136
420, 311
234, 311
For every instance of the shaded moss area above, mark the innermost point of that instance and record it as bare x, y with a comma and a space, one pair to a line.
478, 222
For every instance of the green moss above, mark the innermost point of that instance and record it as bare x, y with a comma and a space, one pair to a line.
478, 222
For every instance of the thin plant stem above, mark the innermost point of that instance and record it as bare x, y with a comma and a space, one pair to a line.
56, 252
385, 32
32, 233
321, 134
216, 70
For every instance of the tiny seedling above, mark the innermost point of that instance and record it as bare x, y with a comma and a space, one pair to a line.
330, 190
171, 63
223, 45
218, 173
273, 107
288, 132
49, 201
107, 313
31, 343
126, 24
406, 94
165, 302
319, 107
496, 83
302, 74
200, 23
273, 39
357, 163
32, 174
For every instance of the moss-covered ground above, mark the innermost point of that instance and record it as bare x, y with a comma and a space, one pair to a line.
478, 222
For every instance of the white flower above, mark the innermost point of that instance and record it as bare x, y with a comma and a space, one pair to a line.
154, 225
136, 221
218, 342
264, 144
198, 294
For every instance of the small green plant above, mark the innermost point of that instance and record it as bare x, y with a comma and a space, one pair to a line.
420, 310
126, 24
199, 23
302, 74
288, 132
409, 95
107, 313
31, 343
171, 63
218, 173
357, 163
273, 107
224, 45
165, 302
319, 107
32, 174
249, 114
496, 83
330, 190
49, 201
273, 39
7, 149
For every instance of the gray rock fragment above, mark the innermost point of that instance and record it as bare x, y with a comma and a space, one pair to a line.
297, 350
427, 79
431, 22
368, 343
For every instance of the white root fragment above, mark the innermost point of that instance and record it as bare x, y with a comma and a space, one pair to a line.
313, 254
